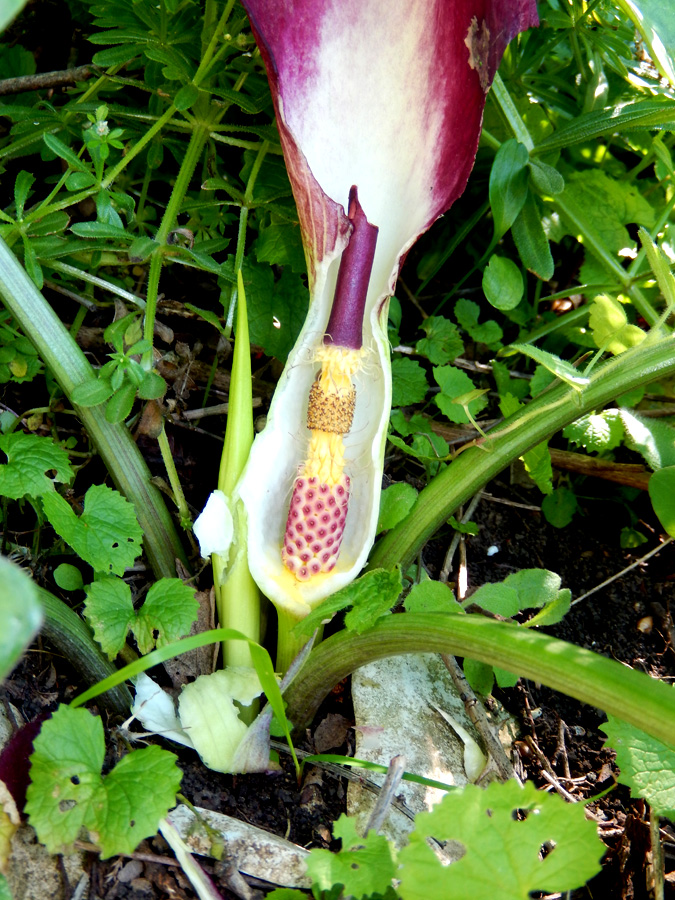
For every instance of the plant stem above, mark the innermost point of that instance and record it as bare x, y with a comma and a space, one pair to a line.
288, 645
174, 480
537, 422
117, 448
632, 696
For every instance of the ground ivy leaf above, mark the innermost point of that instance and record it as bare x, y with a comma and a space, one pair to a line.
169, 609
442, 343
395, 504
29, 458
596, 431
655, 440
364, 865
109, 610
501, 849
489, 333
409, 382
559, 507
280, 244
372, 595
68, 791
431, 596
647, 765
453, 384
107, 534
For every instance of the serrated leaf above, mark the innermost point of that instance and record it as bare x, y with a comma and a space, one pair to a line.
169, 609
106, 535
68, 791
502, 283
442, 343
609, 324
395, 504
280, 244
646, 765
364, 865
276, 310
20, 614
454, 384
603, 431
431, 596
109, 610
371, 596
409, 382
29, 459
558, 367
501, 848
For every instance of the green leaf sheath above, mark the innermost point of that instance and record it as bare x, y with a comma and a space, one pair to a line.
120, 454
530, 426
646, 703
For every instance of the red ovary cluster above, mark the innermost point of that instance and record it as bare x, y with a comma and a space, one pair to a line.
315, 525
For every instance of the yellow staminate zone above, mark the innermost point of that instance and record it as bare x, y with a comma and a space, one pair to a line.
325, 458
338, 366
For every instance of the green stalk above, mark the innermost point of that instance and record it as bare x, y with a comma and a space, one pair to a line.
537, 422
632, 696
237, 595
114, 443
288, 646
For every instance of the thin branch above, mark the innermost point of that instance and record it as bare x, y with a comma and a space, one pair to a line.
623, 572
46, 80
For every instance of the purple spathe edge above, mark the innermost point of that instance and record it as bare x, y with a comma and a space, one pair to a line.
345, 325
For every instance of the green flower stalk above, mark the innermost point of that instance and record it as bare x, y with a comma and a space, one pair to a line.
379, 109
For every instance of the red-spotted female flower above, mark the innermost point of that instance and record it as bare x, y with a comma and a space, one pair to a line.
379, 108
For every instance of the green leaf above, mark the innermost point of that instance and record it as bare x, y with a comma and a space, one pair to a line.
53, 223
595, 431
454, 384
502, 283
63, 150
480, 676
609, 324
395, 504
545, 178
106, 230
540, 380
489, 333
152, 387
646, 765
558, 367
92, 392
502, 847
538, 466
653, 438
29, 460
280, 244
68, 578
662, 495
508, 185
654, 20
22, 185
442, 343
431, 596
371, 596
559, 507
20, 614
106, 535
497, 598
276, 311
518, 387
109, 610
68, 791
409, 382
119, 407
531, 241
169, 610
658, 263
186, 97
364, 865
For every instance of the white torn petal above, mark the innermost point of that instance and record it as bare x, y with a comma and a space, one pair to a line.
154, 708
214, 528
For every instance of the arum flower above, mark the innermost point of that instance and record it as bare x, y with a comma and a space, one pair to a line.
379, 108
